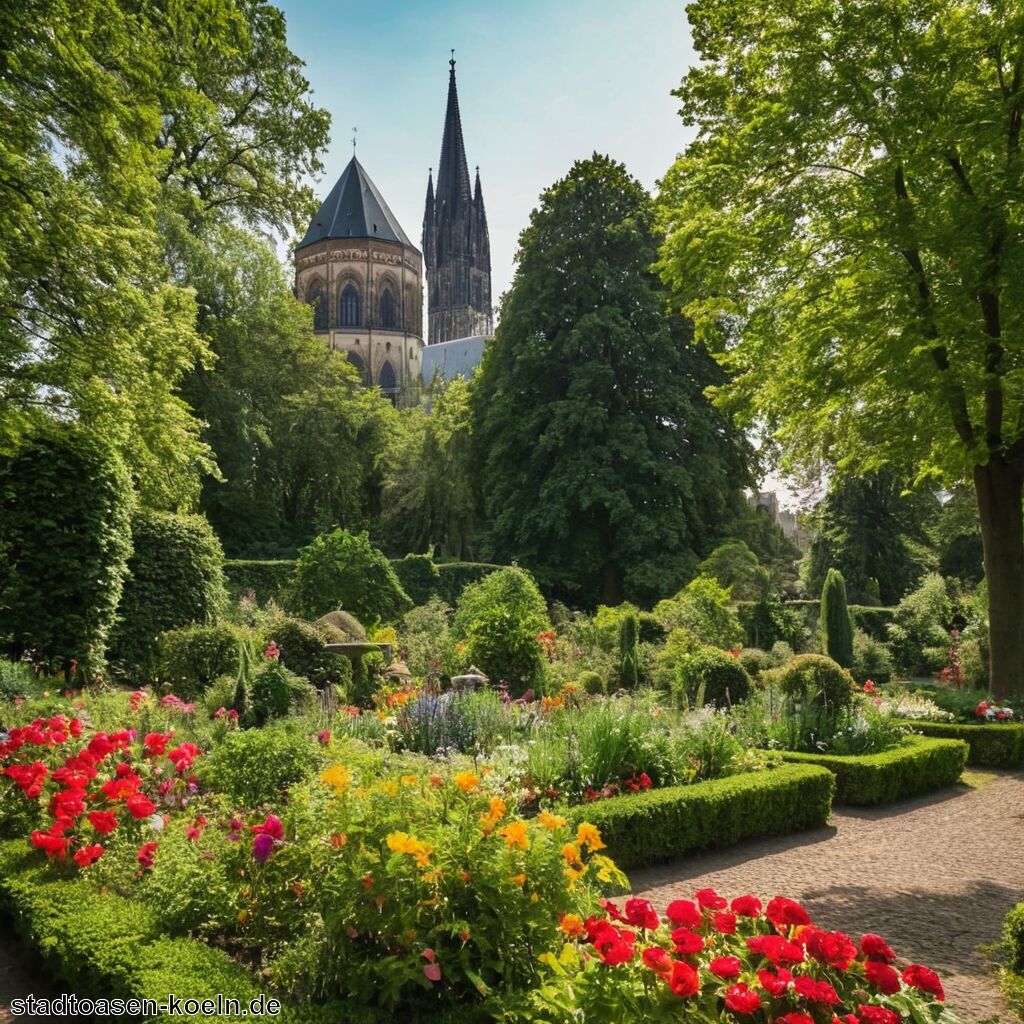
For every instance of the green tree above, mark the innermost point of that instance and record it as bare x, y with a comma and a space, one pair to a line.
735, 566
603, 467
836, 624
703, 609
844, 231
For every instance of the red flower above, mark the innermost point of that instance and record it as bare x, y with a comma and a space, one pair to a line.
783, 912
52, 846
103, 821
683, 912
121, 788
613, 945
877, 1015
832, 948
145, 855
272, 827
68, 803
324, 736
684, 980
641, 914
687, 942
75, 727
796, 1017
139, 806
924, 979
725, 967
882, 976
876, 948
741, 999
100, 746
88, 855
775, 984
725, 922
776, 948
658, 960
708, 899
613, 910
182, 756
272, 650
155, 743
815, 991
746, 906
645, 781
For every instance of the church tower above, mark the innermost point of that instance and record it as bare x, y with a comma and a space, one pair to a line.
456, 245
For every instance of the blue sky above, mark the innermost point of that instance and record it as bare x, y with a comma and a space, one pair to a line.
541, 84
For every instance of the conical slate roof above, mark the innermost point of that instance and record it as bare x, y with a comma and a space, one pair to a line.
453, 171
354, 209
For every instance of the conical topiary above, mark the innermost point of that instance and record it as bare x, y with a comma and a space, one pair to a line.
629, 637
836, 625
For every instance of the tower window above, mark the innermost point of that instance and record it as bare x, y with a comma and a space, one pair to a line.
387, 381
348, 307
315, 297
388, 309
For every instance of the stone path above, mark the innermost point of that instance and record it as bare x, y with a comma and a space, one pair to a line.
935, 876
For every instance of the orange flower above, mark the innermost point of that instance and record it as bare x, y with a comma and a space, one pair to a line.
402, 842
551, 821
588, 835
338, 840
409, 780
571, 853
572, 926
514, 833
518, 879
497, 811
467, 781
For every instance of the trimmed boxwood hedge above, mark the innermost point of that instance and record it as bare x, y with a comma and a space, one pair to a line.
874, 621
454, 577
920, 765
994, 745
663, 824
1013, 968
267, 579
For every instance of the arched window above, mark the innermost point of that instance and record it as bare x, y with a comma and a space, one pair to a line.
388, 309
357, 361
315, 297
387, 381
348, 307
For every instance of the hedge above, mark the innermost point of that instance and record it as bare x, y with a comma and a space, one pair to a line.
920, 765
267, 579
454, 577
1013, 969
874, 621
663, 824
992, 745
103, 946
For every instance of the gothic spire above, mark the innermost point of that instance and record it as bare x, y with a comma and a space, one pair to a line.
453, 170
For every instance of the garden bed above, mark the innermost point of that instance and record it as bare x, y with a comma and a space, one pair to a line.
992, 745
663, 824
920, 765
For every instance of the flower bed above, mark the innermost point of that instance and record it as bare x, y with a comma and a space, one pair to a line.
919, 765
659, 825
992, 745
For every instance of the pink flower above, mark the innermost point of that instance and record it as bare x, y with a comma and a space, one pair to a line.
272, 651
262, 847
324, 736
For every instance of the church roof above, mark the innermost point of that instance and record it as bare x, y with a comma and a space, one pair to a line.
354, 209
453, 171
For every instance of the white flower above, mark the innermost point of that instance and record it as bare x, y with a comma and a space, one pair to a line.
156, 823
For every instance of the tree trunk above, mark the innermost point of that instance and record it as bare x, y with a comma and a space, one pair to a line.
999, 485
611, 584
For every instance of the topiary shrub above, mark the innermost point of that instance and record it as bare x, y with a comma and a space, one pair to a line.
629, 637
835, 623
274, 690
419, 577
756, 661
302, 649
65, 539
175, 576
591, 682
710, 676
871, 659
816, 680
192, 657
344, 570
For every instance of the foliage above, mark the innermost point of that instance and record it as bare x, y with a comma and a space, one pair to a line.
918, 634
663, 824
273, 691
192, 657
175, 577
836, 626
918, 766
956, 536
603, 467
343, 570
454, 577
256, 766
629, 637
591, 682
511, 589
302, 650
65, 536
815, 680
268, 580
871, 659
424, 637
702, 608
419, 577
706, 675
768, 621
992, 745
737, 568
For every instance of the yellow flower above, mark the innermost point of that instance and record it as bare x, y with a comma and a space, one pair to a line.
337, 777
551, 821
389, 787
467, 781
402, 842
571, 853
534, 898
589, 836
399, 842
572, 925
497, 811
574, 875
410, 780
514, 833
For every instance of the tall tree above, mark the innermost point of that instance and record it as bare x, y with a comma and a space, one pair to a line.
846, 231
603, 467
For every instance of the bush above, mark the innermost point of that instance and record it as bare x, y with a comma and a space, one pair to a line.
991, 745
920, 765
454, 577
756, 661
1013, 969
268, 580
591, 682
629, 637
815, 680
424, 637
258, 765
767, 621
302, 650
343, 570
651, 630
175, 577
836, 626
710, 676
920, 622
702, 608
65, 539
871, 659
664, 824
419, 577
274, 690
192, 657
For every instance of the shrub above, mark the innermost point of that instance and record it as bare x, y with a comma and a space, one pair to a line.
871, 659
454, 577
258, 765
608, 621
836, 626
65, 538
651, 630
343, 570
919, 623
629, 637
702, 608
767, 621
991, 746
419, 577
1013, 968
273, 691
815, 680
710, 676
664, 824
192, 657
424, 637
756, 661
302, 650
919, 765
268, 580
591, 682
175, 577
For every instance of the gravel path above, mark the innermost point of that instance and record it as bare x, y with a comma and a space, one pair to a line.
935, 876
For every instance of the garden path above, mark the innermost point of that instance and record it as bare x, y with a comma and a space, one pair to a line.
935, 876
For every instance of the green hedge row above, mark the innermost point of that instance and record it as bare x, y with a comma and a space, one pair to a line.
993, 746
1013, 968
662, 824
874, 621
100, 945
268, 579
454, 577
920, 765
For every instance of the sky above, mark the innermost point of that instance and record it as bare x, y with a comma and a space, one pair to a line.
542, 83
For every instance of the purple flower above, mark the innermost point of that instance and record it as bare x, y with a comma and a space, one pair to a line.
262, 847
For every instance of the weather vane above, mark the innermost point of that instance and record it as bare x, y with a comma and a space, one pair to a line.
354, 130
452, 61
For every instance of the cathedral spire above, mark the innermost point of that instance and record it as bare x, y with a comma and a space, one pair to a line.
453, 170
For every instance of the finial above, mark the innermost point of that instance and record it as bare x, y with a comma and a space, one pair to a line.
452, 61
354, 130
